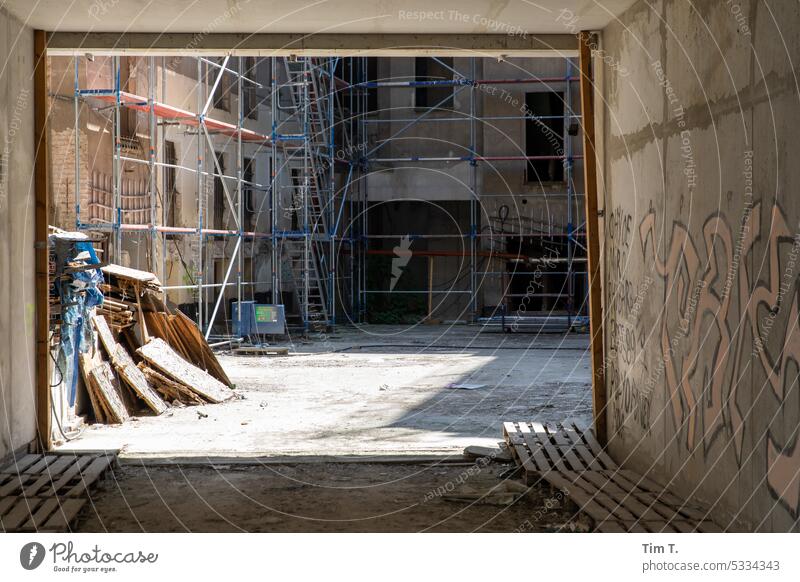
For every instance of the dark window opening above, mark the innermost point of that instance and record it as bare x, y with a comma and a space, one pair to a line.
430, 70
249, 94
248, 195
127, 83
219, 195
222, 95
170, 194
544, 136
372, 76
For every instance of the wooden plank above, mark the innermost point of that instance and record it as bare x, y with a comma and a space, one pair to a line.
64, 518
72, 472
20, 513
131, 274
599, 399
19, 465
41, 181
598, 451
565, 446
626, 499
47, 476
41, 464
5, 504
125, 366
105, 383
15, 484
161, 356
90, 475
556, 458
41, 515
86, 365
171, 389
189, 329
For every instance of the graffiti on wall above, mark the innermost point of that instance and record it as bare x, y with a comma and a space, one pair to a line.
730, 324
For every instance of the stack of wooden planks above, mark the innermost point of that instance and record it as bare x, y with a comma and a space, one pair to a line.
146, 357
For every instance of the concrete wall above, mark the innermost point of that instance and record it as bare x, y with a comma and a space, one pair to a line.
702, 252
17, 311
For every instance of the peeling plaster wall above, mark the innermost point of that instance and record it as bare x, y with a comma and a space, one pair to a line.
702, 252
17, 311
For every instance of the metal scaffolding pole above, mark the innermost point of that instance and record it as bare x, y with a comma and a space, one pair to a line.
200, 195
239, 125
77, 146
274, 188
116, 174
473, 214
151, 122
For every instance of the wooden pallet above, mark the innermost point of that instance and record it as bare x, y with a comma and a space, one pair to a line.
47, 492
616, 499
39, 514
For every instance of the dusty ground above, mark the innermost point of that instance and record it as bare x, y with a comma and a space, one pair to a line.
375, 392
377, 389
323, 497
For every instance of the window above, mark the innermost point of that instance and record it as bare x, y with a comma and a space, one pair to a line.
372, 76
170, 195
127, 115
219, 195
544, 136
249, 95
222, 96
248, 195
429, 69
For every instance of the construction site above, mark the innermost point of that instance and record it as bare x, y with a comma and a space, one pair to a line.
478, 269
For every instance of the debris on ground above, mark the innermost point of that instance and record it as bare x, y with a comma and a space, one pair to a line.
499, 455
466, 386
504, 493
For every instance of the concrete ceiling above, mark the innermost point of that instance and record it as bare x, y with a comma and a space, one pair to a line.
319, 16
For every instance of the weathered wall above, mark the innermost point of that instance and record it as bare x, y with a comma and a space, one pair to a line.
702, 252
17, 313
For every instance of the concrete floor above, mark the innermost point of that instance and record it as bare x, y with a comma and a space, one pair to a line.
373, 390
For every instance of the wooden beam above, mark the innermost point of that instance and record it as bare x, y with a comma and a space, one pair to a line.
593, 239
65, 43
42, 198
